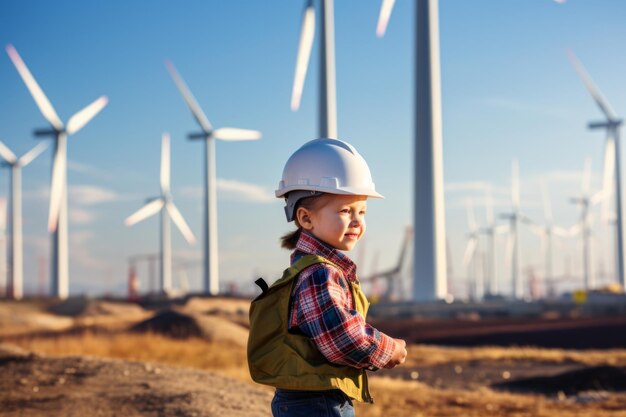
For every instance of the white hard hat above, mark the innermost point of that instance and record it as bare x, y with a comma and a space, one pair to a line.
328, 166
324, 166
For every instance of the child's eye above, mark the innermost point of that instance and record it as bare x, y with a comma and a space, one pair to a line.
345, 210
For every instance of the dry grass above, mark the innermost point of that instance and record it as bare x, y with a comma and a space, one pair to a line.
409, 398
223, 358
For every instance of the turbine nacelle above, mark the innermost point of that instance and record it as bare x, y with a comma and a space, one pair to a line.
48, 132
614, 123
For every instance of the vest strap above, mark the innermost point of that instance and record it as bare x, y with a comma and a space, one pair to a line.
262, 284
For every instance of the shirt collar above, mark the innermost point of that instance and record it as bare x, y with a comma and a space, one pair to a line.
309, 244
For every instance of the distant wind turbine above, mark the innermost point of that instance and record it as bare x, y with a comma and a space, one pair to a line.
209, 135
5, 283
513, 243
547, 231
327, 88
57, 216
392, 275
491, 230
586, 201
612, 168
16, 264
469, 260
166, 206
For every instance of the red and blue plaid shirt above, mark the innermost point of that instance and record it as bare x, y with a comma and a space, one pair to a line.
323, 309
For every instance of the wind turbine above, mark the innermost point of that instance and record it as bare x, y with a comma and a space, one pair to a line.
209, 135
491, 231
57, 216
429, 247
586, 201
327, 88
165, 205
5, 289
470, 251
16, 264
513, 246
547, 232
393, 275
611, 157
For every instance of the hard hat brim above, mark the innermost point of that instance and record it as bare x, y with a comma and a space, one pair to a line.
341, 191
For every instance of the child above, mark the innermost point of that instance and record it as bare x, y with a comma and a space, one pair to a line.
308, 335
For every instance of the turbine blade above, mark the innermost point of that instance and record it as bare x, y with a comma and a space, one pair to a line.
197, 112
383, 18
593, 90
304, 54
6, 154
469, 251
59, 169
38, 95
82, 117
146, 211
231, 133
405, 244
29, 156
180, 222
165, 163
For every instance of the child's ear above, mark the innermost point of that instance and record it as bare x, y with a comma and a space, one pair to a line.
304, 218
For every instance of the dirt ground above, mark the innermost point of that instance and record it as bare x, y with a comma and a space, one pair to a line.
83, 358
34, 385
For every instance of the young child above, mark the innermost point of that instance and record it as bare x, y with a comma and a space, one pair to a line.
308, 335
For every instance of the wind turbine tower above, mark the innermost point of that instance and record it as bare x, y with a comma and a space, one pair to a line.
429, 248
327, 88
165, 205
586, 201
513, 246
209, 135
612, 125
16, 263
547, 232
57, 216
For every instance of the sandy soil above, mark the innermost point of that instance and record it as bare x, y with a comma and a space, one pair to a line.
33, 385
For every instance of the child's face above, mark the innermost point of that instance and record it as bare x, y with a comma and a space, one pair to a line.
340, 222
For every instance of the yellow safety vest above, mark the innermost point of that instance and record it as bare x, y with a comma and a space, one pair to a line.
286, 360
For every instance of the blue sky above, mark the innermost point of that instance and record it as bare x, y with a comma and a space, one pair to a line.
508, 92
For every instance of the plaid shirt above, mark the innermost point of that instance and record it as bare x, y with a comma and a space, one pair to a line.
323, 309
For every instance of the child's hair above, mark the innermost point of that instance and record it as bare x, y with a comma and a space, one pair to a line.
289, 240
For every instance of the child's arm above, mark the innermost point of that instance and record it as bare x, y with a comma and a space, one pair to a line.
323, 311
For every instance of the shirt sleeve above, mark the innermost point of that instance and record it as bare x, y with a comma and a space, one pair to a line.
322, 310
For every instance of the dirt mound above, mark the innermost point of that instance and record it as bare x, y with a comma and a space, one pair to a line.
85, 307
233, 309
183, 324
597, 378
35, 386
